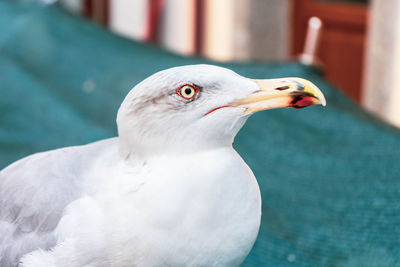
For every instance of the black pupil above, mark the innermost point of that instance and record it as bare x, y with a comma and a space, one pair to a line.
188, 90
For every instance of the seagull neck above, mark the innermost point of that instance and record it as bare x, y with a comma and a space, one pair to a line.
135, 158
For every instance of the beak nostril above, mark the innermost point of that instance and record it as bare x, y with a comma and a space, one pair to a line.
282, 88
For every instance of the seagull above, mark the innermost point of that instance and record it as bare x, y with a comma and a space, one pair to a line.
170, 190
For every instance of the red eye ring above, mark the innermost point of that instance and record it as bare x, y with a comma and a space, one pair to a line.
187, 91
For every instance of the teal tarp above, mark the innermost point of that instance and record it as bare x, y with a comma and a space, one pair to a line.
330, 177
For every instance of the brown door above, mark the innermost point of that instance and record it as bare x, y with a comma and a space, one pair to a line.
342, 43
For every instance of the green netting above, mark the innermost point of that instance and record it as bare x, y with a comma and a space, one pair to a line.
330, 177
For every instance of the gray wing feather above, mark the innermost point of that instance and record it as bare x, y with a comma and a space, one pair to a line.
34, 192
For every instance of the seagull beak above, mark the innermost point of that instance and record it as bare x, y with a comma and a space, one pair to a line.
280, 93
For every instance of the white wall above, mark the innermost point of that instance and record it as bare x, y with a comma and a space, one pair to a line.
268, 26
247, 29
382, 79
177, 26
128, 17
219, 27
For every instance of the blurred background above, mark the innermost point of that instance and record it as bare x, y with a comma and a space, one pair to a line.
329, 176
357, 45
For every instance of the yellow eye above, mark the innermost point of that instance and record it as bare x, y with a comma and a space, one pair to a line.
187, 91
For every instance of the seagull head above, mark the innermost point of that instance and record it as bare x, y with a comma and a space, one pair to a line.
196, 107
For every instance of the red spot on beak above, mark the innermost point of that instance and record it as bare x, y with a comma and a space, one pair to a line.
301, 102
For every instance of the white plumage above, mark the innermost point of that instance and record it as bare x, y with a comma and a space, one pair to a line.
169, 191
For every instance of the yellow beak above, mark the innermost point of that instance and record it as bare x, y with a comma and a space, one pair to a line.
279, 93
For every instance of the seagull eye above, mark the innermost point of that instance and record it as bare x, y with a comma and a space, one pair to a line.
187, 91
